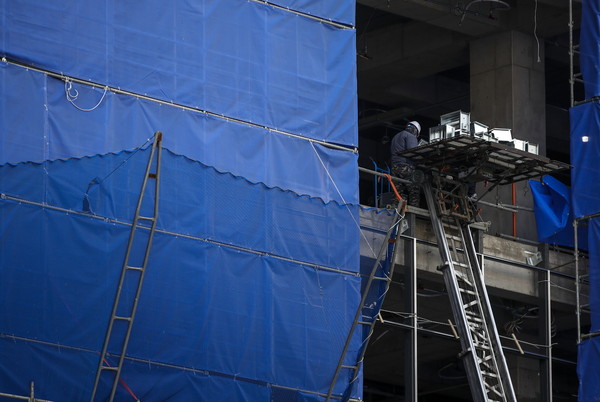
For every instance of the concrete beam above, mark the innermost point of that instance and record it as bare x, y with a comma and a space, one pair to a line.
411, 47
404, 53
506, 277
550, 17
446, 16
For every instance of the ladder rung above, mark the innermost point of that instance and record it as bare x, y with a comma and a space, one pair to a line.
495, 390
349, 367
463, 277
469, 292
365, 322
474, 318
471, 304
477, 329
109, 368
134, 268
452, 237
482, 346
146, 218
460, 264
116, 317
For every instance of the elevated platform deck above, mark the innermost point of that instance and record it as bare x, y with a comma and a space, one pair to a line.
472, 159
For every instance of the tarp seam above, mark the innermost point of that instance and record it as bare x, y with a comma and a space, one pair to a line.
120, 91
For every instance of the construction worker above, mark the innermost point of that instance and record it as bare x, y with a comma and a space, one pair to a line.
403, 167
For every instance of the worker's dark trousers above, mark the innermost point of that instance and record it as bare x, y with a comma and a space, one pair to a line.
410, 192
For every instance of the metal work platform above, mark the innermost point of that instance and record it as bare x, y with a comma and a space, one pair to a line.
443, 170
471, 159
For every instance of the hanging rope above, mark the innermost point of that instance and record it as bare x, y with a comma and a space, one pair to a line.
72, 94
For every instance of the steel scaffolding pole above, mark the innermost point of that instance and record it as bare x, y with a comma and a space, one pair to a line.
411, 307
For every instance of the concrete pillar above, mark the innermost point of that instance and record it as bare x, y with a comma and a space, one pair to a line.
508, 91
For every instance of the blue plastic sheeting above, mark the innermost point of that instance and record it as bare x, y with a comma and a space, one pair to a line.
149, 381
588, 370
585, 175
231, 313
585, 148
165, 382
589, 47
238, 58
339, 11
38, 123
553, 217
196, 200
252, 283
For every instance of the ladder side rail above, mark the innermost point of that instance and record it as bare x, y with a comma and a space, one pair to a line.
134, 226
480, 329
382, 252
468, 348
490, 322
156, 149
363, 350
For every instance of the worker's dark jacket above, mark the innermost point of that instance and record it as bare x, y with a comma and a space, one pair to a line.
401, 142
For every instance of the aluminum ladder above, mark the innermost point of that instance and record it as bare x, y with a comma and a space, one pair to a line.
132, 274
368, 309
482, 354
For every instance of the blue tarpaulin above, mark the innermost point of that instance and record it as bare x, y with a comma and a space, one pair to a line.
254, 273
594, 274
553, 216
589, 47
585, 149
242, 280
585, 140
39, 123
588, 356
244, 59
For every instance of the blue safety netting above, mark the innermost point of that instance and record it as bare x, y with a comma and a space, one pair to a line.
253, 279
243, 59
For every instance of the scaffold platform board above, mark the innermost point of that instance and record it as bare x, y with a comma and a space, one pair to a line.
473, 159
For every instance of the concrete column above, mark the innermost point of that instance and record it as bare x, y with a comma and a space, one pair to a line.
508, 91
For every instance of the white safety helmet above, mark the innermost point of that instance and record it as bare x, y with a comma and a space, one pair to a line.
416, 125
